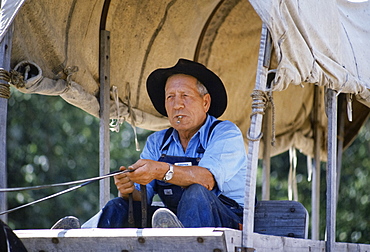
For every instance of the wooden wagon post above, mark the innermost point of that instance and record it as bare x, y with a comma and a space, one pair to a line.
104, 100
266, 163
255, 133
104, 137
5, 53
331, 170
315, 193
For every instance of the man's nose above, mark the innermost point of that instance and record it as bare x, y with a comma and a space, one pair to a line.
178, 103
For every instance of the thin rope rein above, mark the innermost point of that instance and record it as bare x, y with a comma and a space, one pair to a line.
16, 189
84, 183
260, 100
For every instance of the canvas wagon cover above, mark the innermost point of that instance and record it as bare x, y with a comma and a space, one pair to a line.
315, 42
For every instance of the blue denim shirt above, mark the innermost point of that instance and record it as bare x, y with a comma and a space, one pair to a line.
225, 156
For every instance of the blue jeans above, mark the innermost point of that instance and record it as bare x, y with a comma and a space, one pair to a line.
198, 207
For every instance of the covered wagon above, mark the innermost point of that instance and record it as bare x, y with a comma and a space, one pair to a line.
285, 65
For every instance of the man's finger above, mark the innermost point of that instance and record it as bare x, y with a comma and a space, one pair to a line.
137, 165
131, 168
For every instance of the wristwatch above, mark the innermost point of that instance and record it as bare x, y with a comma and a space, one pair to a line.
169, 173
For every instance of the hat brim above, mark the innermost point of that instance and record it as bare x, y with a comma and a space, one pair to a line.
156, 83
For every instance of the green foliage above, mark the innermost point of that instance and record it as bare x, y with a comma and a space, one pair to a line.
354, 198
50, 141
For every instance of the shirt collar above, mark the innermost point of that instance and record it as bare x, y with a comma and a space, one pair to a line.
201, 134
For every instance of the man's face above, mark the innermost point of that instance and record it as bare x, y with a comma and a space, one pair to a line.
186, 108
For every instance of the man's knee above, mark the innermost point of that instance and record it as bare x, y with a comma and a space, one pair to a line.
196, 188
196, 192
116, 204
114, 213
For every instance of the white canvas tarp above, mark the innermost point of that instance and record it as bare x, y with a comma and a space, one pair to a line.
315, 42
320, 42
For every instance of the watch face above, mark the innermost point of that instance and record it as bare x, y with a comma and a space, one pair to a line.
169, 175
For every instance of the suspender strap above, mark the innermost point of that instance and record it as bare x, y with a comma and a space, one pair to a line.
200, 148
166, 136
214, 124
131, 220
144, 206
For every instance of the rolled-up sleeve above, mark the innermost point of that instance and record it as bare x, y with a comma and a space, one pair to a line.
225, 155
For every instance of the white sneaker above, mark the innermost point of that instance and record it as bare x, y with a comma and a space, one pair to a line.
164, 218
69, 222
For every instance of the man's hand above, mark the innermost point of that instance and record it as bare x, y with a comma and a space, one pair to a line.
125, 185
145, 170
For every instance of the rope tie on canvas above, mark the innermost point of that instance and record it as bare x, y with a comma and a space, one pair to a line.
115, 123
13, 77
69, 71
260, 101
4, 90
132, 114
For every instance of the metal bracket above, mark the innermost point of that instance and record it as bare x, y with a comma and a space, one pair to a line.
244, 249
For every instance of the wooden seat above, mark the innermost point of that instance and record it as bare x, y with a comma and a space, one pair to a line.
281, 218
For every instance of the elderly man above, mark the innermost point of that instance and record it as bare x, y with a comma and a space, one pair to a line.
197, 167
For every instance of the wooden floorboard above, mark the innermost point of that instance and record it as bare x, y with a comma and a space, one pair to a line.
175, 239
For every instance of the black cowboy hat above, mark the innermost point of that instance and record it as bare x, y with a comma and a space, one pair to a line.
156, 82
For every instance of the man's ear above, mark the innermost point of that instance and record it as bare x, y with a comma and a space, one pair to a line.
206, 102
